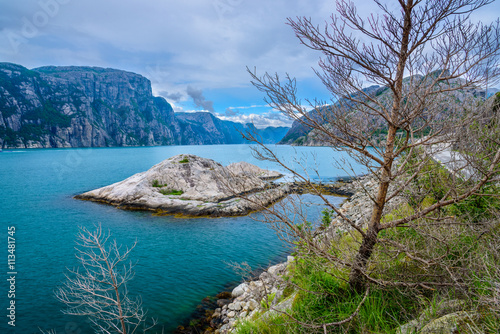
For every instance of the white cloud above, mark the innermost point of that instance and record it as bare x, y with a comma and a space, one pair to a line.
192, 42
259, 120
205, 44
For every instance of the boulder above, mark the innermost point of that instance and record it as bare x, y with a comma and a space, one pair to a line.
447, 324
239, 290
252, 304
440, 318
277, 269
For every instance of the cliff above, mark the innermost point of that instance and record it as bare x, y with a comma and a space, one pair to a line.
72, 106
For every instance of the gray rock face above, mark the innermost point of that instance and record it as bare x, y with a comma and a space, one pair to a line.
245, 168
189, 185
81, 107
71, 106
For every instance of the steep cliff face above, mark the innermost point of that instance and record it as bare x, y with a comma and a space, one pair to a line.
204, 128
80, 107
96, 107
300, 133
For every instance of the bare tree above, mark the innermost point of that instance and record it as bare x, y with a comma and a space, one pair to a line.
98, 289
430, 63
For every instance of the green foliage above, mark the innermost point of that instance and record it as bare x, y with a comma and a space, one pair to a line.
305, 226
300, 141
32, 131
432, 253
157, 184
402, 211
478, 207
184, 161
324, 295
326, 217
275, 324
49, 115
174, 192
123, 112
433, 180
10, 136
382, 312
427, 202
267, 300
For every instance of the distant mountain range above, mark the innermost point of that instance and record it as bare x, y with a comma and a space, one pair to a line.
301, 134
95, 107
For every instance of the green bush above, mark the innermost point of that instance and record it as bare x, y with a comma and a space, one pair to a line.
326, 217
478, 207
171, 192
157, 184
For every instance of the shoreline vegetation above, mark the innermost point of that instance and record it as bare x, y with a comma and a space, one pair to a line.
265, 300
213, 314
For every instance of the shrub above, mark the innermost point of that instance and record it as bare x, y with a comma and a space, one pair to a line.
171, 192
157, 184
326, 217
484, 205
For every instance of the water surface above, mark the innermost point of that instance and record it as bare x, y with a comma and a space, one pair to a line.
179, 261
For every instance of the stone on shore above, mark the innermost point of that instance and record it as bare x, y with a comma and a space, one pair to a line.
189, 185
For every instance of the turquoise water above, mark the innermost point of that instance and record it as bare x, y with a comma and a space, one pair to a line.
179, 261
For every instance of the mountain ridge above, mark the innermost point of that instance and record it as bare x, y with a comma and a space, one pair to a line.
84, 106
302, 134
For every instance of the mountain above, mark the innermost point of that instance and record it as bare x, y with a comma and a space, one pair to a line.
302, 134
199, 126
72, 106
299, 133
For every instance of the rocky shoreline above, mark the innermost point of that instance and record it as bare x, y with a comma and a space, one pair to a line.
252, 297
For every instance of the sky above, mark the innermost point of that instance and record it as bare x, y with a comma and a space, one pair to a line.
195, 52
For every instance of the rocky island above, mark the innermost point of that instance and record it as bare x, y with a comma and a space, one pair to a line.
189, 185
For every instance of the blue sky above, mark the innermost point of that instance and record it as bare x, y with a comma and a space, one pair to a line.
195, 52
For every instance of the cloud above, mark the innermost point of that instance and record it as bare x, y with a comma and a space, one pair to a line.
260, 121
212, 51
175, 97
204, 44
230, 112
199, 100
250, 107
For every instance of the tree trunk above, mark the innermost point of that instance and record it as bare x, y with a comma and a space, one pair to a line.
356, 276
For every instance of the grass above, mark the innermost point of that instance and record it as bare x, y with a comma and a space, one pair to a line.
468, 250
383, 311
174, 192
184, 161
157, 184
